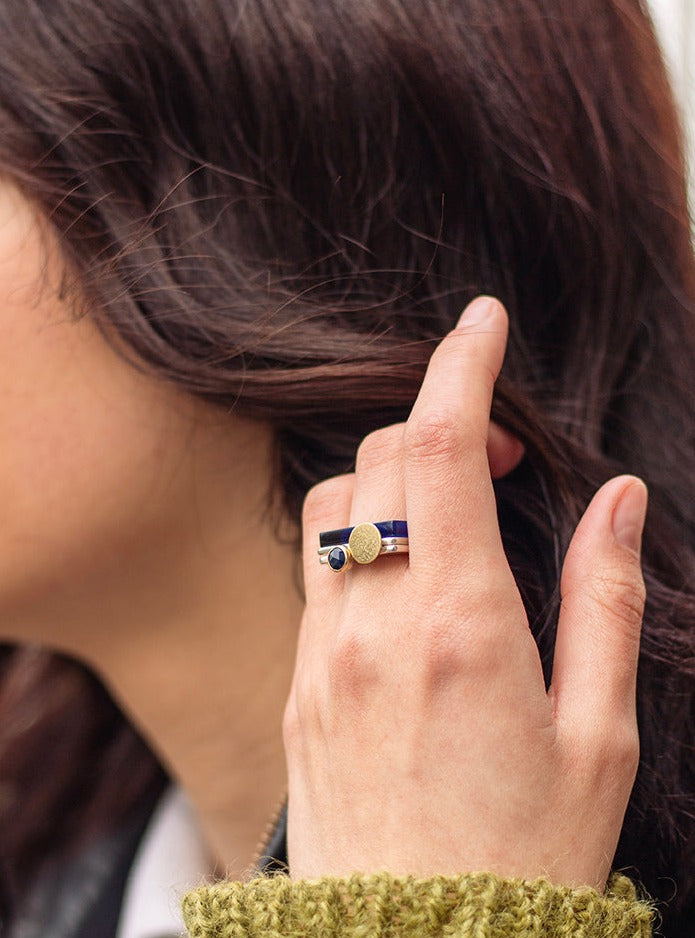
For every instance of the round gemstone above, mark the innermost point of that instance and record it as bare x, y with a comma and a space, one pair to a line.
337, 558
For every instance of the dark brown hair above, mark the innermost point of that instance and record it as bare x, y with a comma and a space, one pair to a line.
282, 206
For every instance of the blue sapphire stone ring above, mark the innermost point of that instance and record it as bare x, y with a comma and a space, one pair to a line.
362, 543
338, 558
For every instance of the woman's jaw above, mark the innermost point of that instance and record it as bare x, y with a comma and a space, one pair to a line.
134, 536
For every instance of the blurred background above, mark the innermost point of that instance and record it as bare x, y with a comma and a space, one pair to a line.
675, 20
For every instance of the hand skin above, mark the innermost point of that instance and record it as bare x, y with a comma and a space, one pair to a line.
418, 732
135, 535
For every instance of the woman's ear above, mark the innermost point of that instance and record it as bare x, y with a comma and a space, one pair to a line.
504, 451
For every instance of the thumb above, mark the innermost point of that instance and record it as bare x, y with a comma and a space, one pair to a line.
602, 592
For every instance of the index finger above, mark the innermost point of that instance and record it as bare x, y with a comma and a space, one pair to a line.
451, 506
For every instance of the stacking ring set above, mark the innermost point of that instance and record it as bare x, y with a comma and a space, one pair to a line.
362, 544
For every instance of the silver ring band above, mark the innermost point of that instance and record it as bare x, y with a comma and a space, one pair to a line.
389, 545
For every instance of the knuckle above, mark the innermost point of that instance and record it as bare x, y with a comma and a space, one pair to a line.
436, 433
457, 663
626, 749
458, 650
320, 500
353, 665
377, 447
292, 732
615, 748
622, 593
444, 662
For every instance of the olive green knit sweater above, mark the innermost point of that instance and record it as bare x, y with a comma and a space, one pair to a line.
475, 905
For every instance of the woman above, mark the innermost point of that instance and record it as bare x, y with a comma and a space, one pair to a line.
233, 235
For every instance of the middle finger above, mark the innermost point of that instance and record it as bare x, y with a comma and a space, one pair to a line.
451, 505
379, 493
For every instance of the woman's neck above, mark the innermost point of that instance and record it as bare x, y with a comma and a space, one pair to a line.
202, 663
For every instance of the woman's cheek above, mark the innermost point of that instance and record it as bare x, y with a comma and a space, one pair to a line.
88, 443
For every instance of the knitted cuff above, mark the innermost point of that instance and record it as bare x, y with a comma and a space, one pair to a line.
475, 905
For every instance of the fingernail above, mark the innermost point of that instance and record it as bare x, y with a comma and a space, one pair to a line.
629, 515
477, 311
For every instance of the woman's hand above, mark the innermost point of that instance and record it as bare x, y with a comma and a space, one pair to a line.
419, 735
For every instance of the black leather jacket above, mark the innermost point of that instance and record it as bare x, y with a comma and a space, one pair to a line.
83, 898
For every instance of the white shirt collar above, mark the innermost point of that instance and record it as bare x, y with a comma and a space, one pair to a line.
171, 859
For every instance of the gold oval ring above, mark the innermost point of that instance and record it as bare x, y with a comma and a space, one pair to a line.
365, 542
